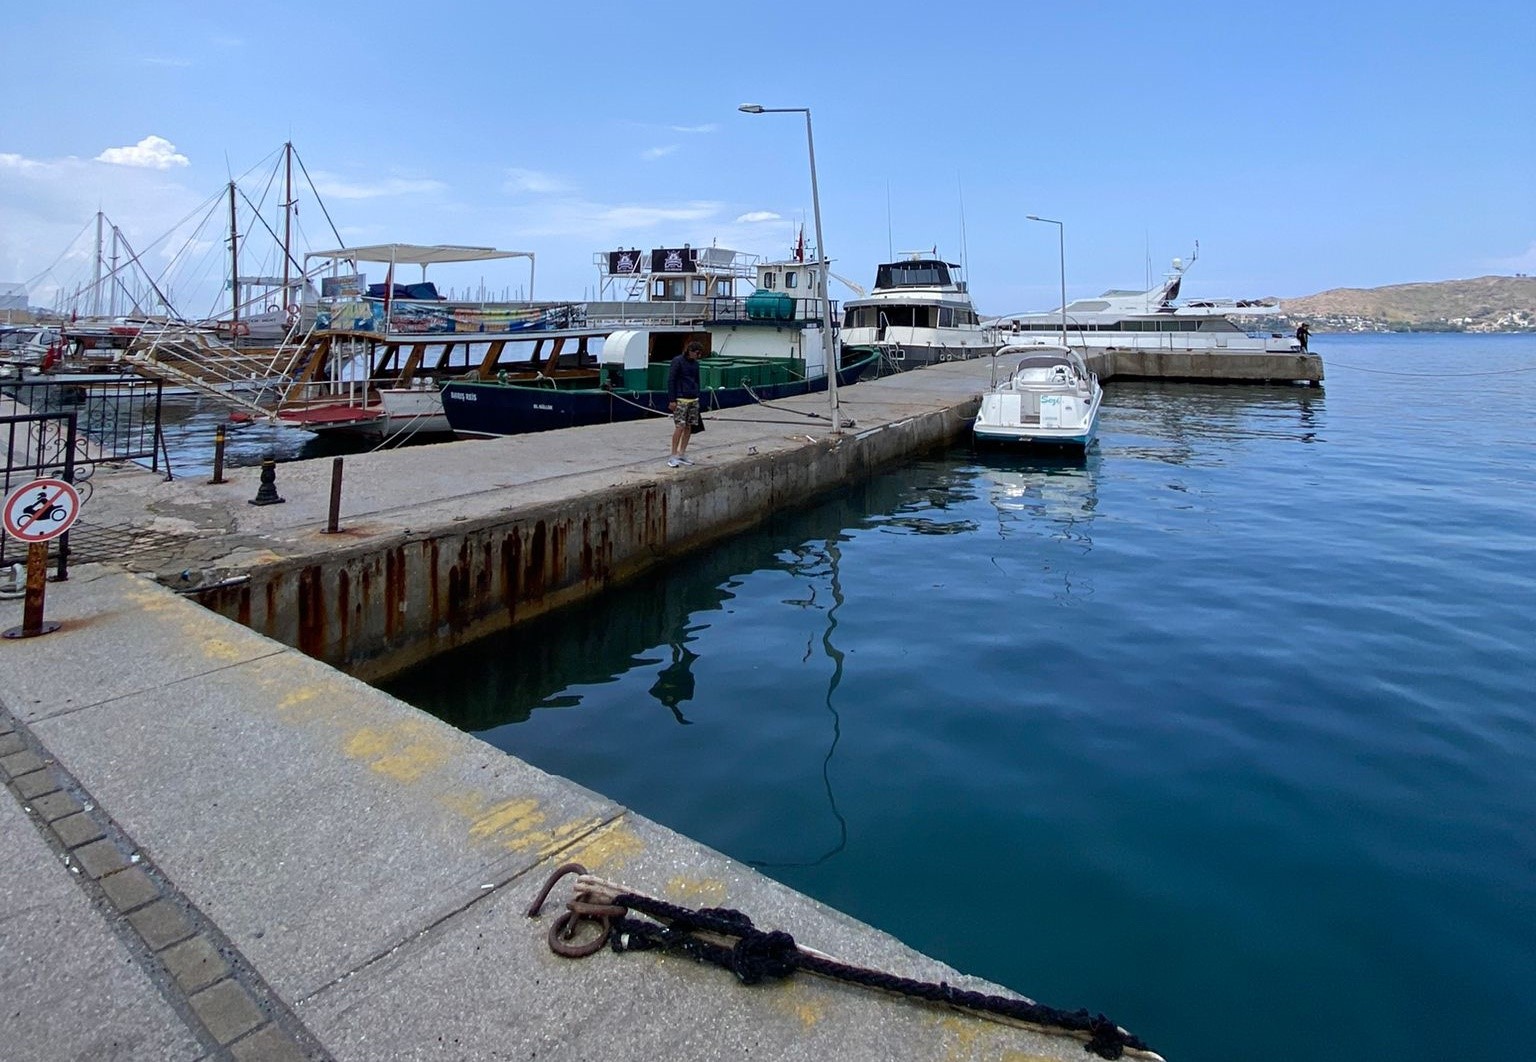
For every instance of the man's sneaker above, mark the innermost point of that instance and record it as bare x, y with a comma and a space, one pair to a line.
674, 462
684, 460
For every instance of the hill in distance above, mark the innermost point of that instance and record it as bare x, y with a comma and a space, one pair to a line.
1484, 304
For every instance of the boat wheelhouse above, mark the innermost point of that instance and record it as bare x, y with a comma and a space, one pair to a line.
918, 313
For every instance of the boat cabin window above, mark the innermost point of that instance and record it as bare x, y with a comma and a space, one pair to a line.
923, 274
791, 278
770, 280
723, 288
700, 287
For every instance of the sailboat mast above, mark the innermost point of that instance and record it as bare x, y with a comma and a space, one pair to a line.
96, 281
288, 300
234, 267
112, 299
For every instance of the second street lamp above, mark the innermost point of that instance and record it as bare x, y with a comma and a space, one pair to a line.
828, 342
1061, 247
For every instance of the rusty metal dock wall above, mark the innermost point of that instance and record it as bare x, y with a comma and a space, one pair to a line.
376, 608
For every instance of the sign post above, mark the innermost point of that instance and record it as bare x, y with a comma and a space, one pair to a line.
34, 513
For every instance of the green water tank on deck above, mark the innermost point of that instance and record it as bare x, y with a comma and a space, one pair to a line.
764, 305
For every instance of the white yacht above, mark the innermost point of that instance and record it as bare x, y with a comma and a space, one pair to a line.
1049, 398
919, 313
1155, 320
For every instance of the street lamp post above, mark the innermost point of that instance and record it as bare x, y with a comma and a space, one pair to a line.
829, 351
1061, 246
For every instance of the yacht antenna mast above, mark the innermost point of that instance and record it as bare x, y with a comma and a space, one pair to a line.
890, 241
965, 253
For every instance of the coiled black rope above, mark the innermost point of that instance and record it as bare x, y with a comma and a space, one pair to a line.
759, 956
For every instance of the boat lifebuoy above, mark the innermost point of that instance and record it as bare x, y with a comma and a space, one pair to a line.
271, 307
235, 328
292, 313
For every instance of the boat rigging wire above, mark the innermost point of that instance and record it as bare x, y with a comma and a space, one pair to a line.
1428, 375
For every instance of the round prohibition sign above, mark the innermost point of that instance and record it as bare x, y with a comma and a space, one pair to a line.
40, 510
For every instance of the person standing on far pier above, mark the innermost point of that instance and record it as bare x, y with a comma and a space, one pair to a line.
683, 400
1302, 331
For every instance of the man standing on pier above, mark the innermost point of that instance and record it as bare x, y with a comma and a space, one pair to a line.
683, 400
1302, 332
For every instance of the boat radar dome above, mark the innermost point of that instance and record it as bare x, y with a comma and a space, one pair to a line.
1178, 265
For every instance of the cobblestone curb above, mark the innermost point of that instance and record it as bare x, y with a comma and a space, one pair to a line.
213, 988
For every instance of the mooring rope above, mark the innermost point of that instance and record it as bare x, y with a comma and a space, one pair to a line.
706, 935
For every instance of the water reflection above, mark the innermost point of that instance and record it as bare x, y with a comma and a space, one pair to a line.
1175, 422
675, 683
1056, 497
812, 563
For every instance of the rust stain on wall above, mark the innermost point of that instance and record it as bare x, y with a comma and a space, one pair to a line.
343, 611
312, 639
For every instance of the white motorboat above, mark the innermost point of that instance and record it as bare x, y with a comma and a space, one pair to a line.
1049, 398
918, 313
1154, 319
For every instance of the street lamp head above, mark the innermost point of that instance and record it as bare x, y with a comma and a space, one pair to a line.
1033, 217
751, 108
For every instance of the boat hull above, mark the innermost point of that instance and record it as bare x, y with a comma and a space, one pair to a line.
1075, 438
490, 409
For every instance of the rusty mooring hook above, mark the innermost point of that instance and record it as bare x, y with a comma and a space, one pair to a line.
560, 872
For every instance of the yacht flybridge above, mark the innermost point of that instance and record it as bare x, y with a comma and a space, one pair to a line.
1154, 319
919, 313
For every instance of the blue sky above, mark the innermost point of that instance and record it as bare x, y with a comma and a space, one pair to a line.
1305, 146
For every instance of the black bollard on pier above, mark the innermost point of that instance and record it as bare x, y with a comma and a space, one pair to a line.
266, 494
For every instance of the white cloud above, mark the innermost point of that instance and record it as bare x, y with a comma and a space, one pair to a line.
520, 180
658, 152
152, 61
758, 216
709, 128
331, 186
47, 212
1520, 263
151, 153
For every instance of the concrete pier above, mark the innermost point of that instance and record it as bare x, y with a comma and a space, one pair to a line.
225, 845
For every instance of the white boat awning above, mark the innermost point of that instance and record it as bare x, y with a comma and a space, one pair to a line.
417, 254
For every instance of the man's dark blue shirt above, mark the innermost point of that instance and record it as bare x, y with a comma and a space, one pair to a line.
682, 378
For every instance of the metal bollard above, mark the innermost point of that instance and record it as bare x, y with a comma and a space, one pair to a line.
218, 456
266, 494
32, 622
332, 523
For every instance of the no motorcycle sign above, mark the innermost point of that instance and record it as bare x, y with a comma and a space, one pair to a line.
41, 510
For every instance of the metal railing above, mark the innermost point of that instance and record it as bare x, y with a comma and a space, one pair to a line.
60, 429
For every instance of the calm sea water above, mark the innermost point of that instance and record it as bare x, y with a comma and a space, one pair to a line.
1241, 708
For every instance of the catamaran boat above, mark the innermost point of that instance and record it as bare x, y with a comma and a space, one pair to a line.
1154, 319
918, 313
1049, 398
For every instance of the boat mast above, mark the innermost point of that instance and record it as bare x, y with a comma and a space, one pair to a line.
234, 266
112, 299
96, 281
287, 218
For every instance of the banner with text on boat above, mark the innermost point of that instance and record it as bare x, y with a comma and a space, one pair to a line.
413, 318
